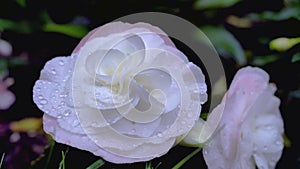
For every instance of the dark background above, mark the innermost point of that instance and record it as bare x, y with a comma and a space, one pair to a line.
40, 46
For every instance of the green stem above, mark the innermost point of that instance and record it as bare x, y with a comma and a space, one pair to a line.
188, 157
1, 161
52, 143
295, 41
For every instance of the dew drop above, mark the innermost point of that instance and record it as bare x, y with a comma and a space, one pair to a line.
53, 71
205, 152
202, 88
278, 142
43, 101
265, 148
61, 63
62, 95
189, 115
67, 112
38, 89
159, 134
94, 124
59, 117
183, 122
75, 123
268, 127
40, 97
133, 131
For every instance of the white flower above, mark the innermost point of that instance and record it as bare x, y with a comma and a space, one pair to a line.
250, 131
124, 94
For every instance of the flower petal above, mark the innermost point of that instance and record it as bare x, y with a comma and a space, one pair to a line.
82, 142
7, 99
5, 48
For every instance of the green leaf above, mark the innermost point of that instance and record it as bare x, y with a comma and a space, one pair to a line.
62, 164
21, 26
225, 42
286, 141
204, 115
3, 66
22, 3
263, 60
97, 164
284, 14
296, 57
211, 4
76, 31
17, 61
51, 148
148, 165
295, 94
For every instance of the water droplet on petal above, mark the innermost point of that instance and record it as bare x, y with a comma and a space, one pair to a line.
53, 71
40, 97
202, 88
278, 142
205, 152
265, 148
38, 89
159, 134
43, 101
59, 117
133, 131
67, 112
75, 123
61, 63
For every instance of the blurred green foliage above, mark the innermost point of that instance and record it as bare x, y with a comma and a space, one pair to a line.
226, 44
213, 4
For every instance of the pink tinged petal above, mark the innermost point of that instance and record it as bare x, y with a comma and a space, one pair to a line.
175, 52
7, 98
249, 80
82, 142
119, 27
130, 44
5, 48
251, 125
151, 40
